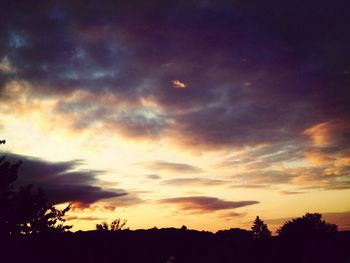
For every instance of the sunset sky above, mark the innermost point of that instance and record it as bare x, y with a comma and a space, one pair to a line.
171, 113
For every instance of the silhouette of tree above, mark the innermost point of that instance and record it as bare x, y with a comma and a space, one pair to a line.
102, 227
8, 174
25, 212
116, 225
260, 229
309, 225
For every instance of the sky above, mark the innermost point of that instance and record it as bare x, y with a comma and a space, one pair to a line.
169, 113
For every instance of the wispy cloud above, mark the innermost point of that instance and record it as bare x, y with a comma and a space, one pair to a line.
85, 218
195, 181
205, 203
153, 176
171, 167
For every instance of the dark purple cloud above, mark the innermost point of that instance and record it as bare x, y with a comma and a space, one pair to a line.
205, 203
255, 72
60, 183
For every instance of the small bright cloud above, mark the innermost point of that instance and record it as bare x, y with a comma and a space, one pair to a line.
178, 84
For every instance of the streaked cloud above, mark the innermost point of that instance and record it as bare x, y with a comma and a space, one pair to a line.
195, 181
267, 177
85, 218
131, 199
171, 167
153, 176
231, 215
205, 204
291, 192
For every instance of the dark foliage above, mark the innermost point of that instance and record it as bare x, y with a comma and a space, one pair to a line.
235, 234
24, 211
183, 228
260, 229
158, 245
310, 225
116, 225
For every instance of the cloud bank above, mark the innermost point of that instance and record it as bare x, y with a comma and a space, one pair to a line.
62, 181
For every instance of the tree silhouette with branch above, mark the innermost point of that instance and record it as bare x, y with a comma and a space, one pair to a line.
260, 229
116, 225
24, 211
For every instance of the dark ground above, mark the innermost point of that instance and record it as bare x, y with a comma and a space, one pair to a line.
155, 246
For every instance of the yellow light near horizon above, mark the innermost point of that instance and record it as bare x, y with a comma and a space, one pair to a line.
33, 128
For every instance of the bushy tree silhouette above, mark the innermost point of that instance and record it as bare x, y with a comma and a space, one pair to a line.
116, 225
260, 229
309, 225
184, 228
22, 210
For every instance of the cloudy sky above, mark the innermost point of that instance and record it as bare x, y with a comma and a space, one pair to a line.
171, 113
